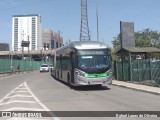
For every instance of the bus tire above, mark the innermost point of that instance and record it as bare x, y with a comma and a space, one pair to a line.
58, 74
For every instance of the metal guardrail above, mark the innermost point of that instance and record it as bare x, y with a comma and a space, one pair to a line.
26, 52
12, 65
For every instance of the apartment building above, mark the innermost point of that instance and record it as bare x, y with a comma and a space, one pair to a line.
26, 28
4, 47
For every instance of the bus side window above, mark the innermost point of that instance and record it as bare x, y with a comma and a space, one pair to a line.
110, 57
72, 56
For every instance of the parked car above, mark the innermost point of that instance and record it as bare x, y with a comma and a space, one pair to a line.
44, 68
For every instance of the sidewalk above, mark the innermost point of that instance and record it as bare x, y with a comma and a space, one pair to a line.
145, 88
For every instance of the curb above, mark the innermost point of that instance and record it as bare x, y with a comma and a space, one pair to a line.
136, 89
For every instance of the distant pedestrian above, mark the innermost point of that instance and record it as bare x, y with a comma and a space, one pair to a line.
18, 68
12, 67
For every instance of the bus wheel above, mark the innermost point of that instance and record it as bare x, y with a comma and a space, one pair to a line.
57, 74
68, 79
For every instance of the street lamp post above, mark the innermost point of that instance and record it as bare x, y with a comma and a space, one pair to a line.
97, 22
11, 61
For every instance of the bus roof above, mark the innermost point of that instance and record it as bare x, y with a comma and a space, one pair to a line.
84, 45
88, 45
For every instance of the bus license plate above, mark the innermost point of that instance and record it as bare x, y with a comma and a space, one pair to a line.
96, 82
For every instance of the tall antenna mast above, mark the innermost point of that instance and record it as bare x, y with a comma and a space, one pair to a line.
97, 23
84, 30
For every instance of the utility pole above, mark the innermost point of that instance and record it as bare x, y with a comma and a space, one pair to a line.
11, 57
29, 55
97, 22
28, 45
22, 45
84, 29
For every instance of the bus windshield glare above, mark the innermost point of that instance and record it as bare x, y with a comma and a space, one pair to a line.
93, 61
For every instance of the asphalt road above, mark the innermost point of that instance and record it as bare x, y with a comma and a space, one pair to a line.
41, 92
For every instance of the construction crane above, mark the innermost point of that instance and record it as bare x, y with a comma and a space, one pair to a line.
84, 29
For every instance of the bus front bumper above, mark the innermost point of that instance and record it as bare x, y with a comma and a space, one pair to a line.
93, 81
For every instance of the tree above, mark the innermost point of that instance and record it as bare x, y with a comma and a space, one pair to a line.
145, 38
116, 42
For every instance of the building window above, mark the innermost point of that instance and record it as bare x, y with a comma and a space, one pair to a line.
33, 33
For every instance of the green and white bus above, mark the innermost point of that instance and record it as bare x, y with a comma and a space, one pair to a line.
83, 63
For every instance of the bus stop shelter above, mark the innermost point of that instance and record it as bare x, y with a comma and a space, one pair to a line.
138, 64
132, 53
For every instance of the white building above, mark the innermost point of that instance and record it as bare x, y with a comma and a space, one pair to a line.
26, 28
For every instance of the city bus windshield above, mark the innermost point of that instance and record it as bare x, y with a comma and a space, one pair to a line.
94, 61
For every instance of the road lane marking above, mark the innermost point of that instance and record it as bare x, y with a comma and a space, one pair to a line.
1, 100
37, 100
20, 89
42, 105
18, 96
16, 101
12, 91
22, 108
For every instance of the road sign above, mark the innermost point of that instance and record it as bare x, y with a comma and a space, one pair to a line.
25, 43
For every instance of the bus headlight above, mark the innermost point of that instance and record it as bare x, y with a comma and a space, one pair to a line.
80, 73
109, 71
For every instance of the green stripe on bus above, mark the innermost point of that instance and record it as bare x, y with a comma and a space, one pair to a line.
96, 75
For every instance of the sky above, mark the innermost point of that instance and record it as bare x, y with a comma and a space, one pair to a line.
64, 16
